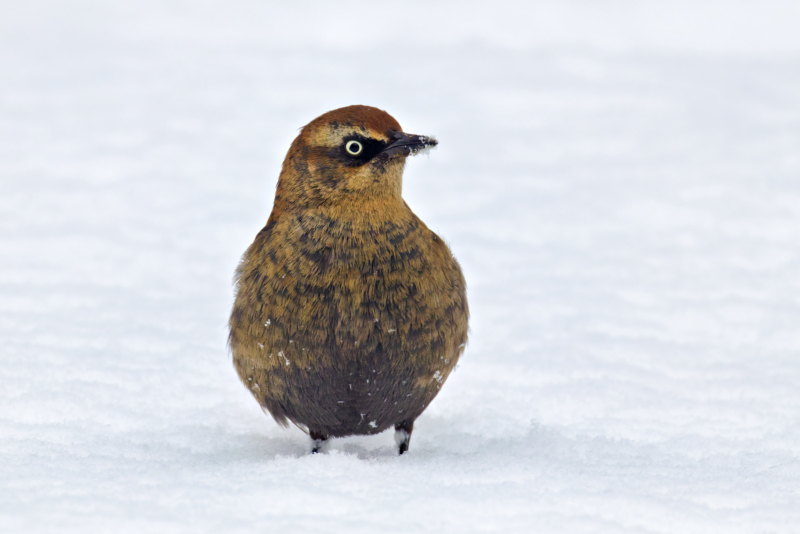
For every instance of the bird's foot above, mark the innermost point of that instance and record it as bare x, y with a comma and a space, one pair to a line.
318, 441
402, 435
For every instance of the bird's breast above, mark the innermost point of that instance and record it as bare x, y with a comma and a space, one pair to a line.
349, 283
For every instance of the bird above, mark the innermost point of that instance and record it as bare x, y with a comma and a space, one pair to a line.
349, 312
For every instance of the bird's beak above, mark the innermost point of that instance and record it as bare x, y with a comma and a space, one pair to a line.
404, 144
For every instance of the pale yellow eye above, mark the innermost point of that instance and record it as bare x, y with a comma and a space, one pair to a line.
353, 148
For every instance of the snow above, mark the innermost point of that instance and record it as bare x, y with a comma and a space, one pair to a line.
620, 182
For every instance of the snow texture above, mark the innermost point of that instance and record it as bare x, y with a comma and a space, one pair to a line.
620, 181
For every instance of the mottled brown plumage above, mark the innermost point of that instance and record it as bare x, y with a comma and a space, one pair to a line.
350, 313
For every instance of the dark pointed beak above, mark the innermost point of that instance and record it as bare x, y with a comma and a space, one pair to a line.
404, 144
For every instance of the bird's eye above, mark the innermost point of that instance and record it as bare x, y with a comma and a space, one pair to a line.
353, 148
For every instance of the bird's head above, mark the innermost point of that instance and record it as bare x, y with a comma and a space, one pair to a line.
355, 153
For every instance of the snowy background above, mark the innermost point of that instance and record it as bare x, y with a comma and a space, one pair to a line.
620, 181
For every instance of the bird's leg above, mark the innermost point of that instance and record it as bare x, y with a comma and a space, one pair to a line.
318, 440
402, 435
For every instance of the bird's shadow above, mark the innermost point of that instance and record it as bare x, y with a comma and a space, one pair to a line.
257, 447
436, 437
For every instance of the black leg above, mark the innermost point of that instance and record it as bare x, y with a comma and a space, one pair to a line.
318, 440
402, 435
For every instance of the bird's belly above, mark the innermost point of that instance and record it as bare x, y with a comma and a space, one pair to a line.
362, 396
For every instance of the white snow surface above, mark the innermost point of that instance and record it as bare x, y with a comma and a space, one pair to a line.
620, 181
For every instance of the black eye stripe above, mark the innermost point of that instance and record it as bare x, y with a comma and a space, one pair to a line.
364, 150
